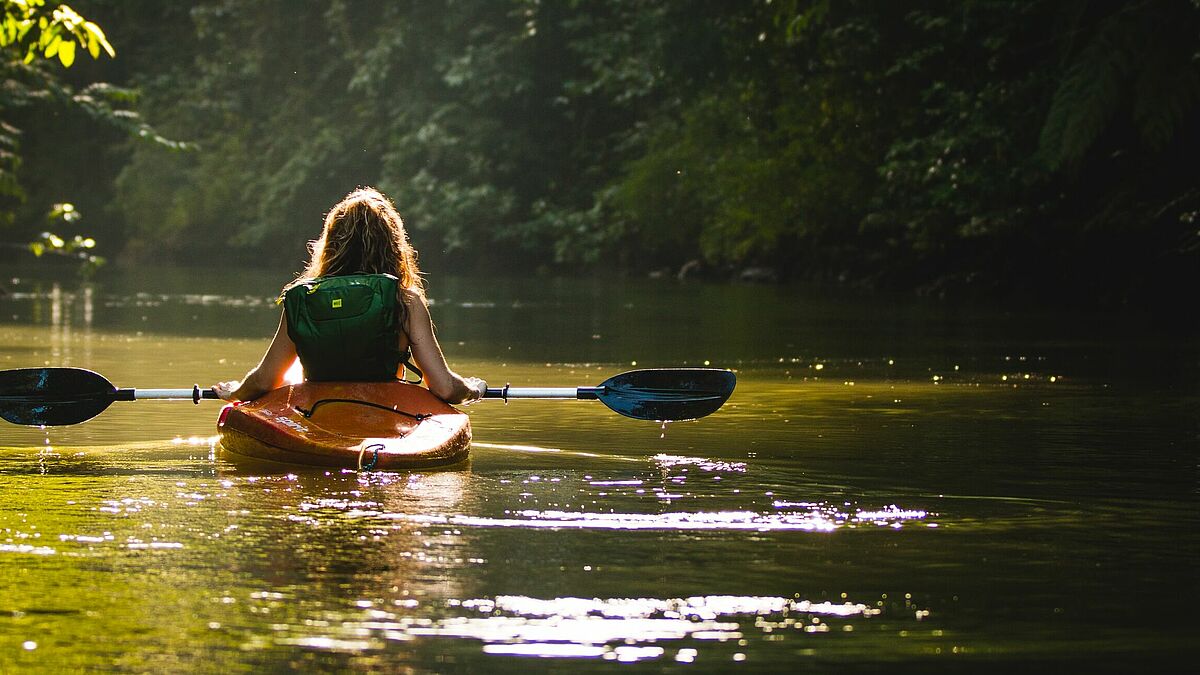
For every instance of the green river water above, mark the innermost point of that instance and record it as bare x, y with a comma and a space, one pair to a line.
895, 485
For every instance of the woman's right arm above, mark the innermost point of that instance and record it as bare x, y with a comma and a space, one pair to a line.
443, 382
270, 372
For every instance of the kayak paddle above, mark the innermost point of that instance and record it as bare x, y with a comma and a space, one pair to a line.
61, 396
661, 395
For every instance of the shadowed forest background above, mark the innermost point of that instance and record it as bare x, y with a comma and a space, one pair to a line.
1002, 148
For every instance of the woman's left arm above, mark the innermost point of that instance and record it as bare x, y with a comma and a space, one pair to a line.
443, 382
268, 374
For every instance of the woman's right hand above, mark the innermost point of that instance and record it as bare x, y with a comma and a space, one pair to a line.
478, 388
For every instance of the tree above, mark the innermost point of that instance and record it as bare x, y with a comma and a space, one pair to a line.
939, 145
36, 40
29, 31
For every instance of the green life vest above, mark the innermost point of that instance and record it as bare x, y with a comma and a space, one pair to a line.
346, 328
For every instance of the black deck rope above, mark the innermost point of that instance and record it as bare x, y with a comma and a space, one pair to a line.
309, 413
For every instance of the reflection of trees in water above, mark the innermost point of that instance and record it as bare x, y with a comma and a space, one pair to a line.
64, 312
160, 301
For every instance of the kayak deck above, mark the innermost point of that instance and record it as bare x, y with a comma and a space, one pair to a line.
383, 426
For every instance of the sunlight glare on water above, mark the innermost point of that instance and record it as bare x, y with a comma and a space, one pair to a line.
820, 518
623, 629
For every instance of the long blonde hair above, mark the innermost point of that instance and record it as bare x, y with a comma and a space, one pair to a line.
364, 234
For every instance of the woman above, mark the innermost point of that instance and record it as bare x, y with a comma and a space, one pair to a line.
358, 311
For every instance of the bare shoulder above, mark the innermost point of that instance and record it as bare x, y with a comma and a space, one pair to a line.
415, 305
412, 298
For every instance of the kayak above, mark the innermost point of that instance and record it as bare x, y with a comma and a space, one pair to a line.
383, 426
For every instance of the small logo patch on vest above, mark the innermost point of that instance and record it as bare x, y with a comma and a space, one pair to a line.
337, 302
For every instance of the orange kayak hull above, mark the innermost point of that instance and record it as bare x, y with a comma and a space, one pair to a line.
380, 426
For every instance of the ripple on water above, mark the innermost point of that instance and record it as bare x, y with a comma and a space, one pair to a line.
619, 629
27, 549
816, 517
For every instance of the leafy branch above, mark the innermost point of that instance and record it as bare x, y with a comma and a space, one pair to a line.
50, 32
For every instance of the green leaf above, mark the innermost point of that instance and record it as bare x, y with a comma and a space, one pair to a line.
95, 32
66, 52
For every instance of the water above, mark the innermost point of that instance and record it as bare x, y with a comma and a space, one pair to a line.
894, 485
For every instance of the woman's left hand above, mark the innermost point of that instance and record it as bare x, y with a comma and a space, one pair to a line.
225, 389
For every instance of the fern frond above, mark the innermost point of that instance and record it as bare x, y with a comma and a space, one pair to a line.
1139, 62
1087, 97
1167, 88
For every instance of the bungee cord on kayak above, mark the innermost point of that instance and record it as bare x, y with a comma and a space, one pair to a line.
392, 409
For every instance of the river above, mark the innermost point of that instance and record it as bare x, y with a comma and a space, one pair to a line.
896, 484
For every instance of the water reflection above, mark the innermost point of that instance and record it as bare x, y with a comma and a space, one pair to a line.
65, 313
326, 541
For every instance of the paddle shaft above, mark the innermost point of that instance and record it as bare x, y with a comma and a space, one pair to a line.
193, 394
581, 393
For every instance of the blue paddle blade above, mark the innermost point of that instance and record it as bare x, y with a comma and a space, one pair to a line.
667, 394
53, 396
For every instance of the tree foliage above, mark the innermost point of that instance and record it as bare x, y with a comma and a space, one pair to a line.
38, 41
997, 144
50, 32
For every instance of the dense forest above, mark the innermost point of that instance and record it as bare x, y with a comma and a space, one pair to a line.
1023, 148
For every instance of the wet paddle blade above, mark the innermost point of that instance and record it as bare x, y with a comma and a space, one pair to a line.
668, 394
53, 396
